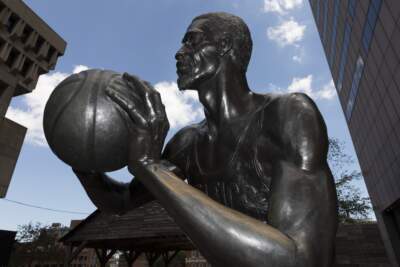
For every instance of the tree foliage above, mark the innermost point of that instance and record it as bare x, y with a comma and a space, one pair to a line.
38, 243
352, 205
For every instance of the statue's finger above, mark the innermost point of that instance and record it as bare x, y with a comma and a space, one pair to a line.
153, 99
150, 105
142, 88
128, 106
133, 96
134, 81
149, 87
158, 105
130, 78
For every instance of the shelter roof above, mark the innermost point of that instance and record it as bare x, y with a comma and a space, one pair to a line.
146, 228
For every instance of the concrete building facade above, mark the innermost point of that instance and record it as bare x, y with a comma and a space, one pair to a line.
361, 40
28, 49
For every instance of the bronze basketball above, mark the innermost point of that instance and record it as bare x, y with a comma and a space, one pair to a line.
83, 126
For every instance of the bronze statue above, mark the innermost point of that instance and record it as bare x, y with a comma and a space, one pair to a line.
259, 191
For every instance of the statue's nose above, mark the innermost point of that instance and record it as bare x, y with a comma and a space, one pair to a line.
179, 55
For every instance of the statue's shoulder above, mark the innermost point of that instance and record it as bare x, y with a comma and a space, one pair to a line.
284, 100
285, 111
288, 104
183, 140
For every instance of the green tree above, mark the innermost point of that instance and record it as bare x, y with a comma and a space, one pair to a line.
38, 243
353, 206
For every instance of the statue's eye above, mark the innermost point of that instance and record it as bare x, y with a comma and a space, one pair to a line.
189, 43
193, 40
196, 40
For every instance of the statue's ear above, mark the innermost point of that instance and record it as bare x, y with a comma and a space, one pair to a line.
225, 44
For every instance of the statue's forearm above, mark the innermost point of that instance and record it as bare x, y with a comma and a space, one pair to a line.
224, 236
112, 196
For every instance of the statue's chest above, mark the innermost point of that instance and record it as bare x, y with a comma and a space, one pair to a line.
234, 170
231, 157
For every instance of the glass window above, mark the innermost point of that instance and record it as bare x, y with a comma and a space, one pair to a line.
351, 8
369, 25
343, 55
371, 15
367, 36
354, 87
317, 13
334, 31
376, 4
325, 21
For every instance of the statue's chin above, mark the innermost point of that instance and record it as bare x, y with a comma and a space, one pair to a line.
185, 83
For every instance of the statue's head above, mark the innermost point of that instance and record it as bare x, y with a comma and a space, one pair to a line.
212, 39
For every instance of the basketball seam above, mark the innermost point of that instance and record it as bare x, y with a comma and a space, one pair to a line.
124, 118
119, 108
90, 142
61, 111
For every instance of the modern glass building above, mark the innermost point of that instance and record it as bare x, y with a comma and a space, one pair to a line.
361, 39
28, 49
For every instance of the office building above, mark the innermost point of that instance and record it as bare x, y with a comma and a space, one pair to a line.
361, 40
28, 49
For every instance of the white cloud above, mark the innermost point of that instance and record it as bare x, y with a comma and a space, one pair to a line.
182, 107
30, 114
289, 32
281, 6
79, 68
328, 91
299, 57
302, 85
305, 85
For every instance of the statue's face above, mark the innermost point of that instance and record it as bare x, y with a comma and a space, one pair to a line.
197, 59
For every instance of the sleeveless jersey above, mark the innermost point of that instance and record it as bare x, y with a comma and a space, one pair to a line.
244, 182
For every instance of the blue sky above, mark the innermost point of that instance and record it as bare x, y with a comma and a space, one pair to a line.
141, 37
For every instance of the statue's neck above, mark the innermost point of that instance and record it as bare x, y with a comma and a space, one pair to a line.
225, 98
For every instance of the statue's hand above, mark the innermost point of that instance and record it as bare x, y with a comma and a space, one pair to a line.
149, 119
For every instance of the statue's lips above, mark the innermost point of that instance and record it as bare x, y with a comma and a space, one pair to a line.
181, 68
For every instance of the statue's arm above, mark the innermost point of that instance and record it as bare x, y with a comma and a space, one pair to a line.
113, 196
224, 236
110, 195
116, 197
302, 220
303, 202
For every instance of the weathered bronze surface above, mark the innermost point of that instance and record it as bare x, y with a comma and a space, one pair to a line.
91, 126
259, 191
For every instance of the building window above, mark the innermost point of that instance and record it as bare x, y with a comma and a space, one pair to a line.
11, 22
334, 31
50, 53
351, 8
325, 21
354, 87
317, 12
26, 67
343, 55
26, 33
12, 57
39, 43
369, 25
